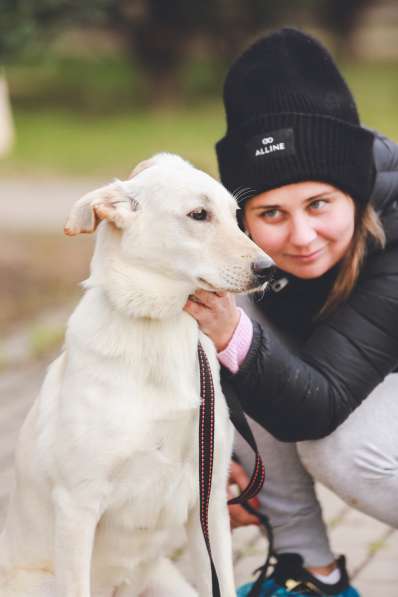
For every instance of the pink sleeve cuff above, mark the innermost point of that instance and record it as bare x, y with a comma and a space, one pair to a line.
234, 354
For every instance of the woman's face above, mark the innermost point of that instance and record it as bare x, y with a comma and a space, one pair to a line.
306, 227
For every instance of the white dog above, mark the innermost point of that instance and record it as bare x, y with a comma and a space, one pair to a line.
107, 459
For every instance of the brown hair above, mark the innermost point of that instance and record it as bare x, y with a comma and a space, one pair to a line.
367, 228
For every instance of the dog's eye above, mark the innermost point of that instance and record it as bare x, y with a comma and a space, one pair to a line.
199, 214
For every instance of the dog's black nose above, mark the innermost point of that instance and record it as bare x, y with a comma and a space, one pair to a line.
263, 269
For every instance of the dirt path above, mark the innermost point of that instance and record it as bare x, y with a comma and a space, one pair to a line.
40, 267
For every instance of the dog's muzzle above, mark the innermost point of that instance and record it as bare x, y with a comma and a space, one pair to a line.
263, 270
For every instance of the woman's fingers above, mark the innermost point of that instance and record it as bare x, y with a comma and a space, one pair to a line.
207, 298
192, 299
238, 475
216, 314
198, 311
240, 518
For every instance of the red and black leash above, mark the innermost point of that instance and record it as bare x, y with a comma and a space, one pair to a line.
206, 453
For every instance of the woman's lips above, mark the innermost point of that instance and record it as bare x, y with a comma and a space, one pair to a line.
308, 257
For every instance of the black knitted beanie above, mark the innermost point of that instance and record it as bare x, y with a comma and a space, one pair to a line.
291, 117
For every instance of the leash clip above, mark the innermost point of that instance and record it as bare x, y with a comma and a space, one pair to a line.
279, 285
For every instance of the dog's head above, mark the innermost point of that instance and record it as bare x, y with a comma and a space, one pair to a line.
173, 222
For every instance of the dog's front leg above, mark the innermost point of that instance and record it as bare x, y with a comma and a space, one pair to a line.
221, 548
199, 558
221, 541
75, 523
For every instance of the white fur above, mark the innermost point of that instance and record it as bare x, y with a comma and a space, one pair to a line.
107, 459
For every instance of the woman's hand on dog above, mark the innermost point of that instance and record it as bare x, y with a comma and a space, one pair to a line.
216, 314
239, 517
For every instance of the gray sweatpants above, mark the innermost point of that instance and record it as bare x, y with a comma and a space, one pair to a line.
358, 461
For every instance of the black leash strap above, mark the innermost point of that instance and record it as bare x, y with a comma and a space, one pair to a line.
240, 423
206, 454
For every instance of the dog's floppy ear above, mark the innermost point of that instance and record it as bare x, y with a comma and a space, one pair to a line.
113, 203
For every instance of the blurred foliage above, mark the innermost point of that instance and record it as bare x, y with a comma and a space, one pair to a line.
95, 85
159, 34
33, 23
104, 84
89, 115
341, 18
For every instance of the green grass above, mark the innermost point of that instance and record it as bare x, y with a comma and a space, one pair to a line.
94, 138
375, 88
67, 143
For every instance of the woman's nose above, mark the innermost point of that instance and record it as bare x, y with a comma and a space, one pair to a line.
302, 232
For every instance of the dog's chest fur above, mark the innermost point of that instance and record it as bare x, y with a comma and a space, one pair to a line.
134, 429
153, 492
156, 484
115, 429
127, 421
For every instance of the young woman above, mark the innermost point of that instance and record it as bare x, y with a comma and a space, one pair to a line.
313, 357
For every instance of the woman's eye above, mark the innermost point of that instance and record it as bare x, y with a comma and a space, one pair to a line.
271, 214
318, 204
199, 215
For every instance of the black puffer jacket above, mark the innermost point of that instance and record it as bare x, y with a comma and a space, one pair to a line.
301, 379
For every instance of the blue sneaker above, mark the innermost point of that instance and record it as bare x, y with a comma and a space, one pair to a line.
268, 588
291, 579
